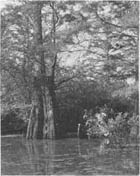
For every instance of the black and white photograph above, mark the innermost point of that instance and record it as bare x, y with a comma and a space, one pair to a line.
69, 87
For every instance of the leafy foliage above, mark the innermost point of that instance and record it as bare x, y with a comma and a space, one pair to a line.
117, 125
96, 44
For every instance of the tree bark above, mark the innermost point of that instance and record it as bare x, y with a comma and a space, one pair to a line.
49, 128
41, 123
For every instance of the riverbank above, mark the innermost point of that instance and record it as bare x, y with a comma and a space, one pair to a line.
11, 135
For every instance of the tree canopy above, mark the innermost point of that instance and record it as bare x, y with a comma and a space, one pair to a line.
89, 51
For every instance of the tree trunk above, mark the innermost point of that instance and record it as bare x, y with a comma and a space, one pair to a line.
49, 128
36, 119
41, 122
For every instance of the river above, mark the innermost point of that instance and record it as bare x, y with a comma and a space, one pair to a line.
69, 156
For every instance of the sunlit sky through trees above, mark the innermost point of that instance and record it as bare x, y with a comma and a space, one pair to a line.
4, 2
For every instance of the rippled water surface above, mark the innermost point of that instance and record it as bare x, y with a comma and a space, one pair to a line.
69, 157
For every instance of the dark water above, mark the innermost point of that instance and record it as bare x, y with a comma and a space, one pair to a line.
69, 157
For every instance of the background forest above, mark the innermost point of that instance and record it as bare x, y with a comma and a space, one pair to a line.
59, 58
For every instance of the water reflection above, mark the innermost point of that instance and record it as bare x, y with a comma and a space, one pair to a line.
108, 157
103, 145
69, 156
41, 156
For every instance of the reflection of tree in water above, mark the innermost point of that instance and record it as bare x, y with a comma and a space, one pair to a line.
81, 156
49, 150
41, 154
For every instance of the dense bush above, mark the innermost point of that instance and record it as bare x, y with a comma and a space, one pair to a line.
118, 125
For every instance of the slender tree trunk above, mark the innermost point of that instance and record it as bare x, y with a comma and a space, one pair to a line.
41, 123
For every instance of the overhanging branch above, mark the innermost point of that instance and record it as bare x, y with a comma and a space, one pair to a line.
65, 80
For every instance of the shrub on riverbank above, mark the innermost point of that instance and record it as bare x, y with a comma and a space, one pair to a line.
120, 124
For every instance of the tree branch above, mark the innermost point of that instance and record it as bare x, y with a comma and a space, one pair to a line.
65, 80
111, 24
104, 21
